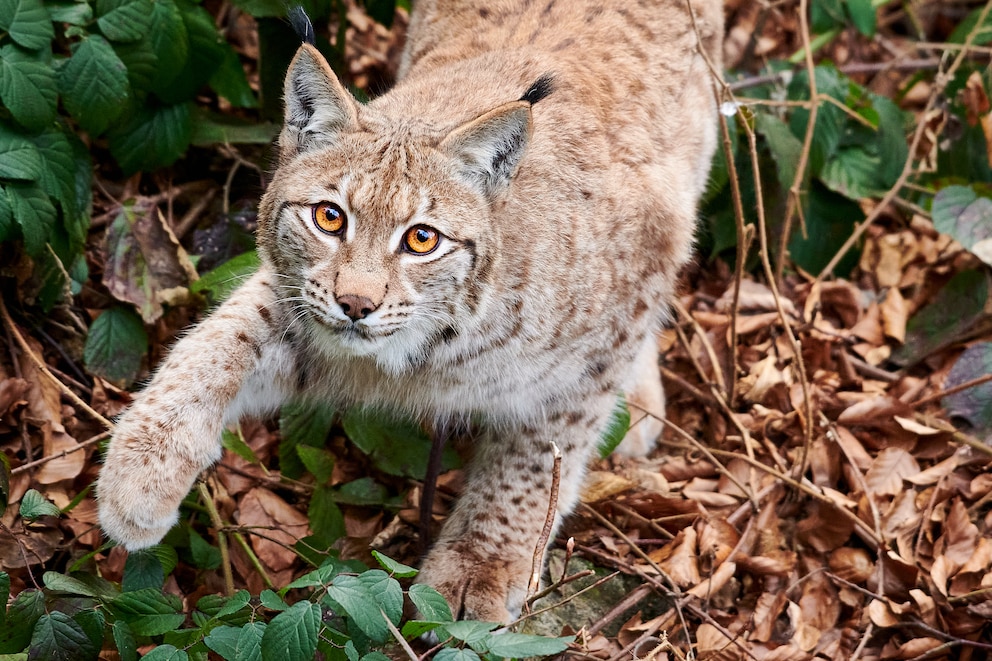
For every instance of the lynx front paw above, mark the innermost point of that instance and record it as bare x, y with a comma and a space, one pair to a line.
490, 589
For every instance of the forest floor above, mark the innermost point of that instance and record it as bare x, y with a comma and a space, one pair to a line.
818, 491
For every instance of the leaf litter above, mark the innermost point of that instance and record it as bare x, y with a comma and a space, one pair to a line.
881, 551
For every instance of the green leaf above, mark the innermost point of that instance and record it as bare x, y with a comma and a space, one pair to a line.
367, 598
469, 631
363, 491
57, 637
301, 423
230, 82
326, 519
142, 569
206, 52
617, 429
27, 87
235, 602
785, 148
141, 61
272, 601
8, 230
34, 505
62, 583
830, 120
946, 319
430, 603
27, 22
22, 614
324, 574
210, 129
73, 13
292, 634
4, 595
966, 26
397, 446
218, 283
35, 214
862, 14
393, 567
153, 137
19, 159
456, 654
116, 344
318, 461
124, 20
148, 611
966, 217
124, 640
520, 645
166, 653
249, 646
169, 42
92, 623
58, 172
94, 84
232, 441
852, 172
830, 219
262, 8
205, 556
224, 641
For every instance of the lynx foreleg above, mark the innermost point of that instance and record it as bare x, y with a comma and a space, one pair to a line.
172, 431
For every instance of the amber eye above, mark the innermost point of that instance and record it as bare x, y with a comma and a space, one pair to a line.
421, 239
329, 218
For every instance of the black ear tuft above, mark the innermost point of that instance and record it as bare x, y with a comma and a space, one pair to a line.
541, 88
298, 18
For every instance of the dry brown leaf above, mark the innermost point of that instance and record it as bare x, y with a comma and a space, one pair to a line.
872, 411
683, 563
890, 467
281, 522
763, 376
851, 564
881, 615
13, 392
707, 588
713, 645
753, 296
913, 426
600, 485
819, 610
767, 610
895, 314
960, 538
869, 328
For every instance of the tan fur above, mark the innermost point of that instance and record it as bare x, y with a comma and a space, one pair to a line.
564, 224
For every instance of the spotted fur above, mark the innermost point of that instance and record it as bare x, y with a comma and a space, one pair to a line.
559, 149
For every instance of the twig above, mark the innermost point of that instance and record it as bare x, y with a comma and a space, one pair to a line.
951, 391
399, 637
581, 574
253, 559
632, 599
38, 363
44, 460
564, 580
215, 520
549, 522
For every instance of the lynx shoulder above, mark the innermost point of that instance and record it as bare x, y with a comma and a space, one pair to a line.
495, 239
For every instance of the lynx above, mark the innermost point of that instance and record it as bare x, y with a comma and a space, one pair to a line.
494, 240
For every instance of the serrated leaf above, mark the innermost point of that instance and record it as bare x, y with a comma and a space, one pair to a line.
617, 428
58, 171
148, 611
272, 601
224, 641
830, 120
852, 172
205, 55
4, 595
326, 519
205, 556
94, 84
33, 212
142, 569
249, 645
367, 598
966, 217
153, 137
397, 446
323, 575
34, 505
292, 634
218, 283
430, 603
22, 614
318, 461
141, 61
116, 344
27, 87
230, 82
8, 229
456, 654
209, 130
301, 423
784, 147
862, 13
469, 631
19, 159
57, 637
27, 22
169, 42
232, 441
261, 8
92, 622
124, 640
830, 219
393, 567
73, 13
166, 653
62, 583
235, 602
520, 645
124, 20
363, 491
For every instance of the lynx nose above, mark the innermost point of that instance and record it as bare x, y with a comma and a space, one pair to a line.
356, 307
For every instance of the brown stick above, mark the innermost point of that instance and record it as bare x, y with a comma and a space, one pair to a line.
549, 522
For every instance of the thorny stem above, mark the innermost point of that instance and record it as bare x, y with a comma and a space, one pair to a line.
253, 559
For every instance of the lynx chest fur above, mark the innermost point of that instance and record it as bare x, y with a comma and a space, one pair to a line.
495, 239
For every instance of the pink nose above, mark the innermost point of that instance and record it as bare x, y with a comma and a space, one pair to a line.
356, 307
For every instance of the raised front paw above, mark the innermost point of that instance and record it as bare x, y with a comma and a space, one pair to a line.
477, 587
142, 483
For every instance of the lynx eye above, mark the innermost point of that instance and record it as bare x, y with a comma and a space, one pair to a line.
421, 239
329, 218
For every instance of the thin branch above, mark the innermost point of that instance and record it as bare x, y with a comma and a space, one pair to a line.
215, 520
549, 522
93, 440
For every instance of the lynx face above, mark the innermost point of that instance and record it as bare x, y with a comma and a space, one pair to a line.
375, 260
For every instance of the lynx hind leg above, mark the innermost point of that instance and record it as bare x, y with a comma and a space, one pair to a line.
646, 401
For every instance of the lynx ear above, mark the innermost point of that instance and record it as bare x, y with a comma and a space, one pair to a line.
318, 107
489, 148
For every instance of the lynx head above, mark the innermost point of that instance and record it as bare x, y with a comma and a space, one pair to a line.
381, 225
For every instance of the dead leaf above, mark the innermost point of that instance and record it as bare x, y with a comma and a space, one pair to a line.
600, 485
894, 313
890, 467
277, 520
851, 564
